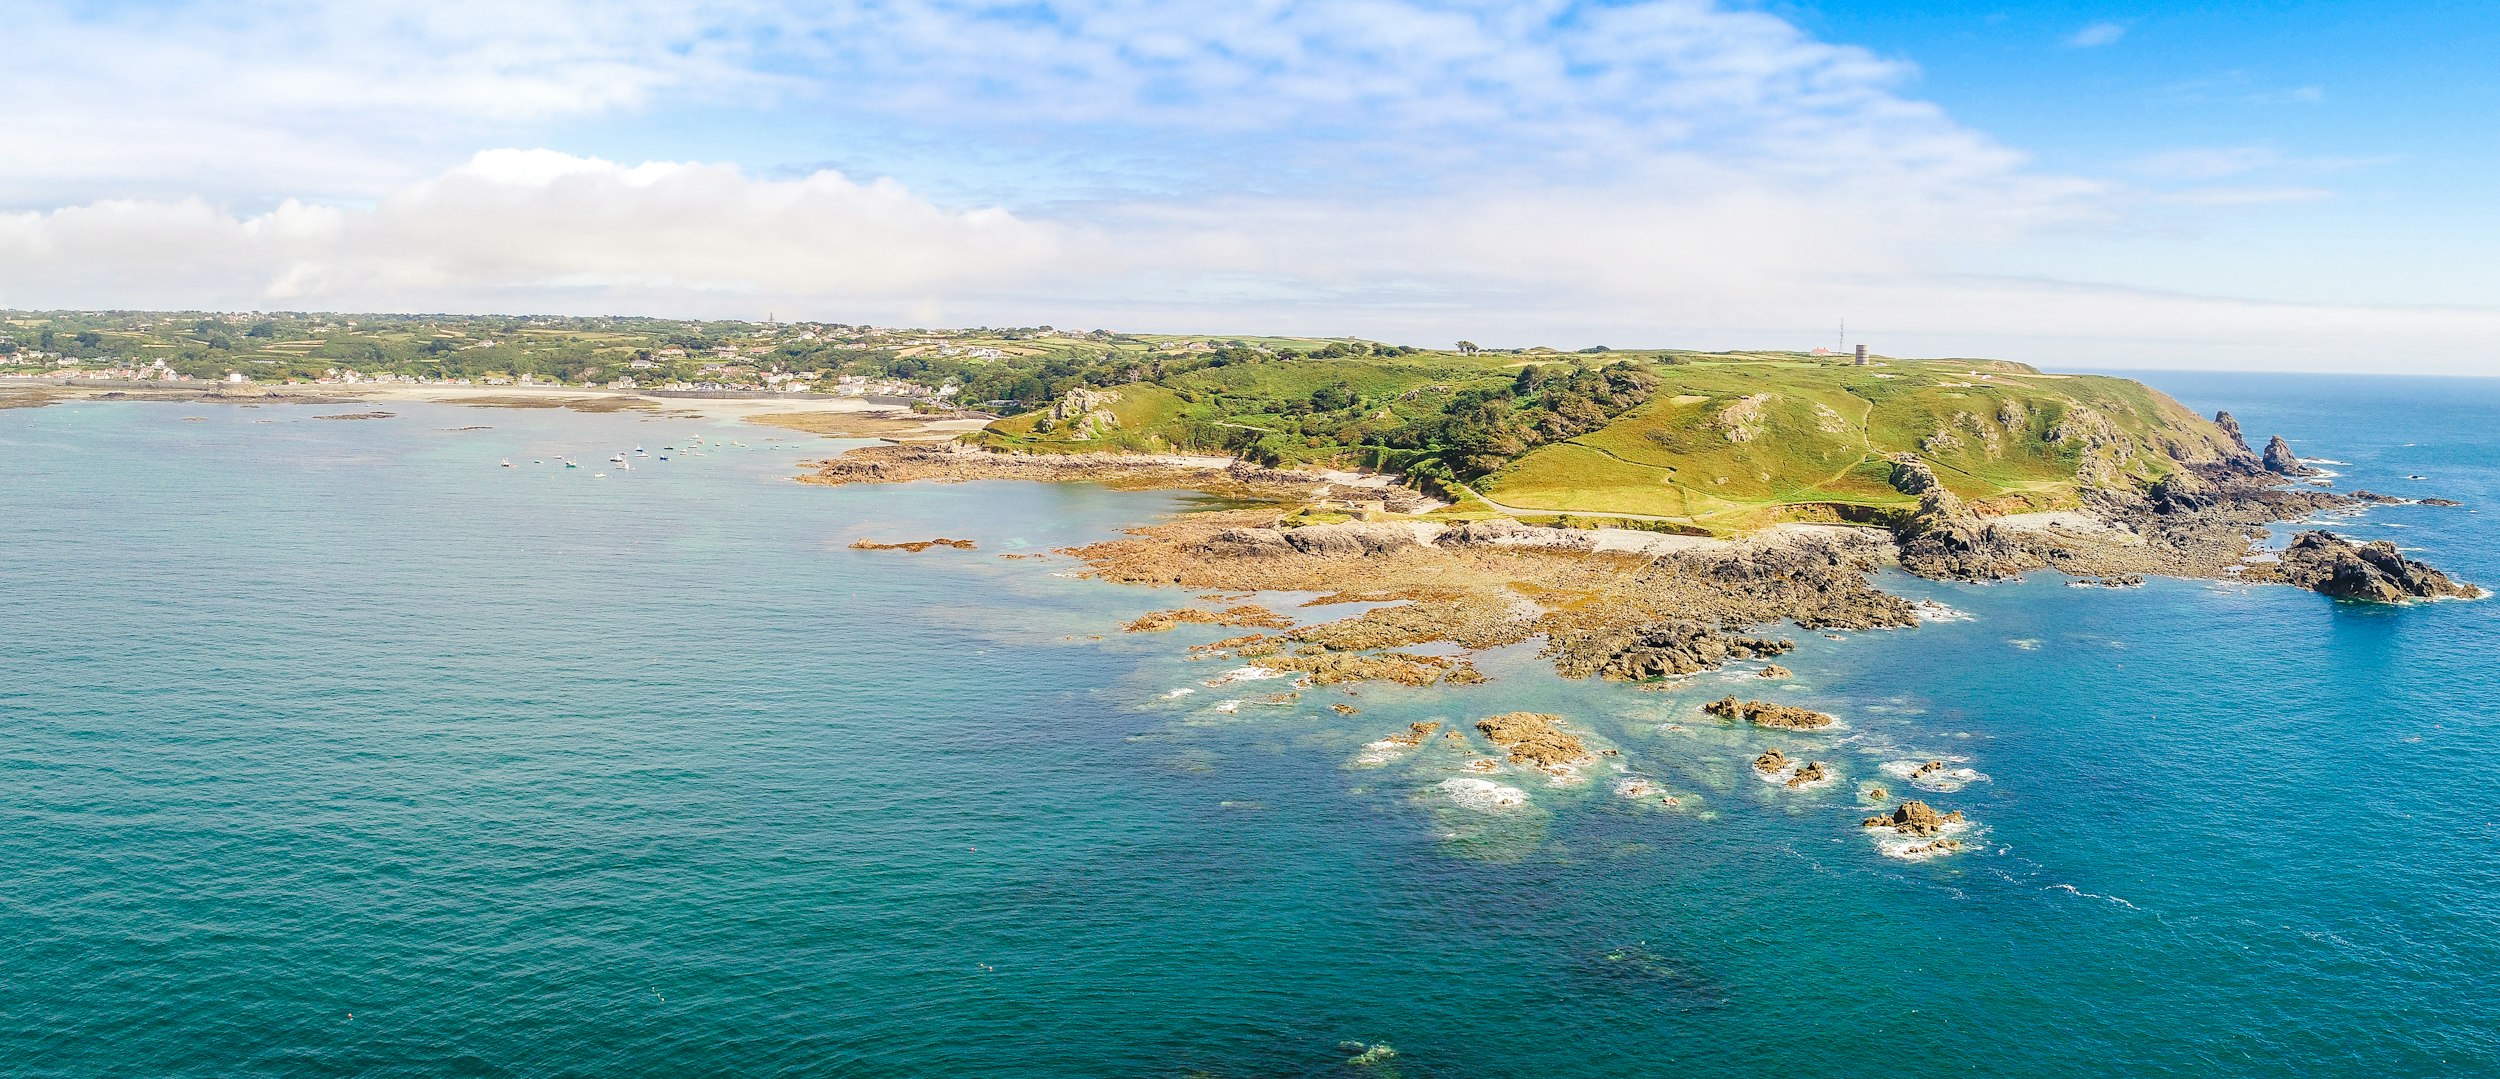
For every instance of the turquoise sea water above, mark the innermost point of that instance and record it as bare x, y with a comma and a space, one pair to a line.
331, 748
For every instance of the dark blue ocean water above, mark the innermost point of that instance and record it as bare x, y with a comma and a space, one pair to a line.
331, 748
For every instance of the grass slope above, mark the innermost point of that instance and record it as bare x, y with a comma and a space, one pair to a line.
1732, 444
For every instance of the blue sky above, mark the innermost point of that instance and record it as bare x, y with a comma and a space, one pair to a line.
2235, 185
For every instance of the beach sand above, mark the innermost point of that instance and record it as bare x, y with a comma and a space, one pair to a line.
836, 417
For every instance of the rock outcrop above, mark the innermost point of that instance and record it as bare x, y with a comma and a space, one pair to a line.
1767, 714
1914, 818
2231, 429
2370, 572
1945, 539
2281, 461
1534, 739
1082, 414
1669, 649
2182, 491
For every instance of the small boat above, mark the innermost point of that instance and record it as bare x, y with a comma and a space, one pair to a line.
598, 475
507, 462
572, 464
627, 466
617, 459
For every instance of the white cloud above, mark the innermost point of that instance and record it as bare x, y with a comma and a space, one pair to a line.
1659, 172
525, 224
2097, 35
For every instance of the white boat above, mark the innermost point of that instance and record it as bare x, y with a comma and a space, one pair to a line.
507, 462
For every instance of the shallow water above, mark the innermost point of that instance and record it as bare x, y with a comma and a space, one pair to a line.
538, 773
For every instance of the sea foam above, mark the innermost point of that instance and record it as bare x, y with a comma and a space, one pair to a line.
1483, 795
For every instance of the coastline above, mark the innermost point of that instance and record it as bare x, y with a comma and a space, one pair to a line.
835, 417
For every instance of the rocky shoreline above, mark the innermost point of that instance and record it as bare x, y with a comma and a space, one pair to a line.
1659, 607
1652, 608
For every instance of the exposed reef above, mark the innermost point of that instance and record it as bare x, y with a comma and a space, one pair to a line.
1536, 740
1767, 714
913, 546
1246, 615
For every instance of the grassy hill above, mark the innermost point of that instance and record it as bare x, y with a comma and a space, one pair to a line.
1724, 442
1732, 444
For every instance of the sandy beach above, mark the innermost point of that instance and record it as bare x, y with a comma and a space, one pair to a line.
838, 417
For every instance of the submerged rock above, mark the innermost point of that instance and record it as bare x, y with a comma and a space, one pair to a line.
2370, 572
1414, 736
